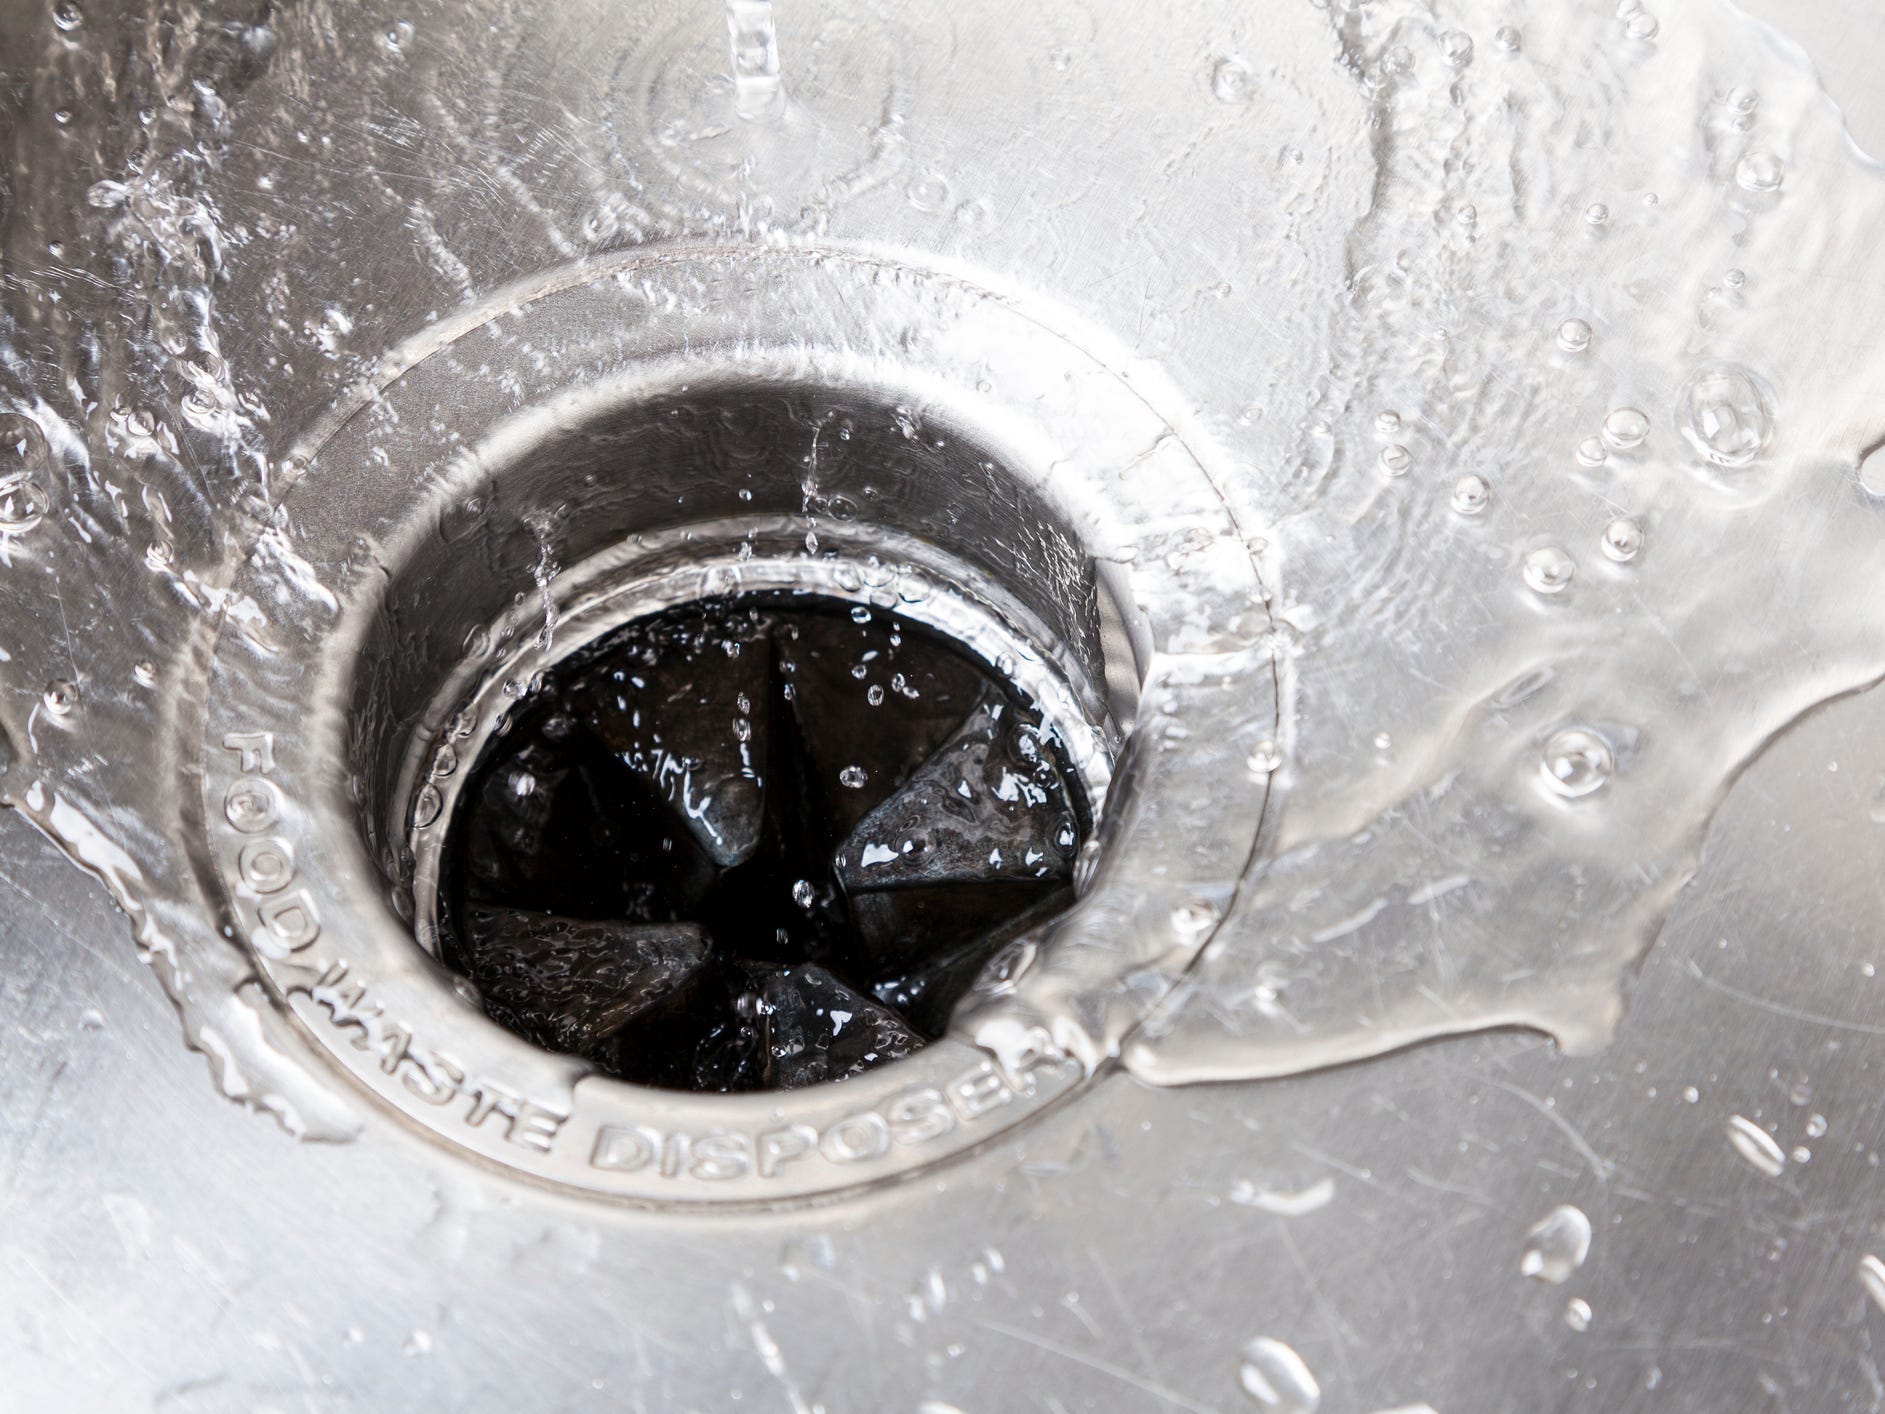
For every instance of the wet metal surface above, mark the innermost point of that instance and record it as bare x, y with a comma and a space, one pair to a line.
1431, 435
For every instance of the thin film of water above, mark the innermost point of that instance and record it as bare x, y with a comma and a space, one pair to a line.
1495, 418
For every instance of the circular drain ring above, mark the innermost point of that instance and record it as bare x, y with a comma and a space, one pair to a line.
302, 887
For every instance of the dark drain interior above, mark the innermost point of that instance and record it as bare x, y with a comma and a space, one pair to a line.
754, 843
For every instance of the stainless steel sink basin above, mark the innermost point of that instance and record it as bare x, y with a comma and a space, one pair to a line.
1407, 459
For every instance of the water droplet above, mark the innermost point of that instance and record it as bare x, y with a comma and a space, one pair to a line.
1574, 336
1642, 26
1232, 81
1458, 48
145, 672
1577, 1314
1816, 1126
929, 192
426, 805
853, 777
1743, 99
1690, 1094
1626, 428
1576, 761
1623, 540
1592, 452
67, 16
803, 894
61, 696
1760, 171
1556, 1245
1597, 214
1195, 919
1549, 570
875, 696
1387, 422
1756, 1145
1723, 413
1872, 1279
1263, 759
1508, 38
418, 1344
1396, 459
1277, 1379
800, 1255
1471, 495
444, 761
22, 505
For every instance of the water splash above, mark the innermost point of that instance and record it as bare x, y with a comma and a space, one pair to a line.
1611, 343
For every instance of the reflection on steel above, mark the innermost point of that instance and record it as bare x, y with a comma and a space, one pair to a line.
1409, 454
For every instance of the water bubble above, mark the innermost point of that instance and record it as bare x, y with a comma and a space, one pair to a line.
426, 805
1723, 414
1816, 1126
1471, 495
853, 777
67, 16
1577, 1314
1458, 48
1743, 100
61, 696
1396, 459
1508, 38
1387, 422
1263, 759
1592, 452
1626, 428
1277, 1379
803, 894
144, 672
1760, 171
1232, 81
444, 761
1642, 26
875, 696
1574, 336
1549, 570
1756, 1145
1556, 1245
1575, 762
1597, 214
1623, 540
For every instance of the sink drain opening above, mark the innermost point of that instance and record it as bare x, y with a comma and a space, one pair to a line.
753, 843
637, 976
